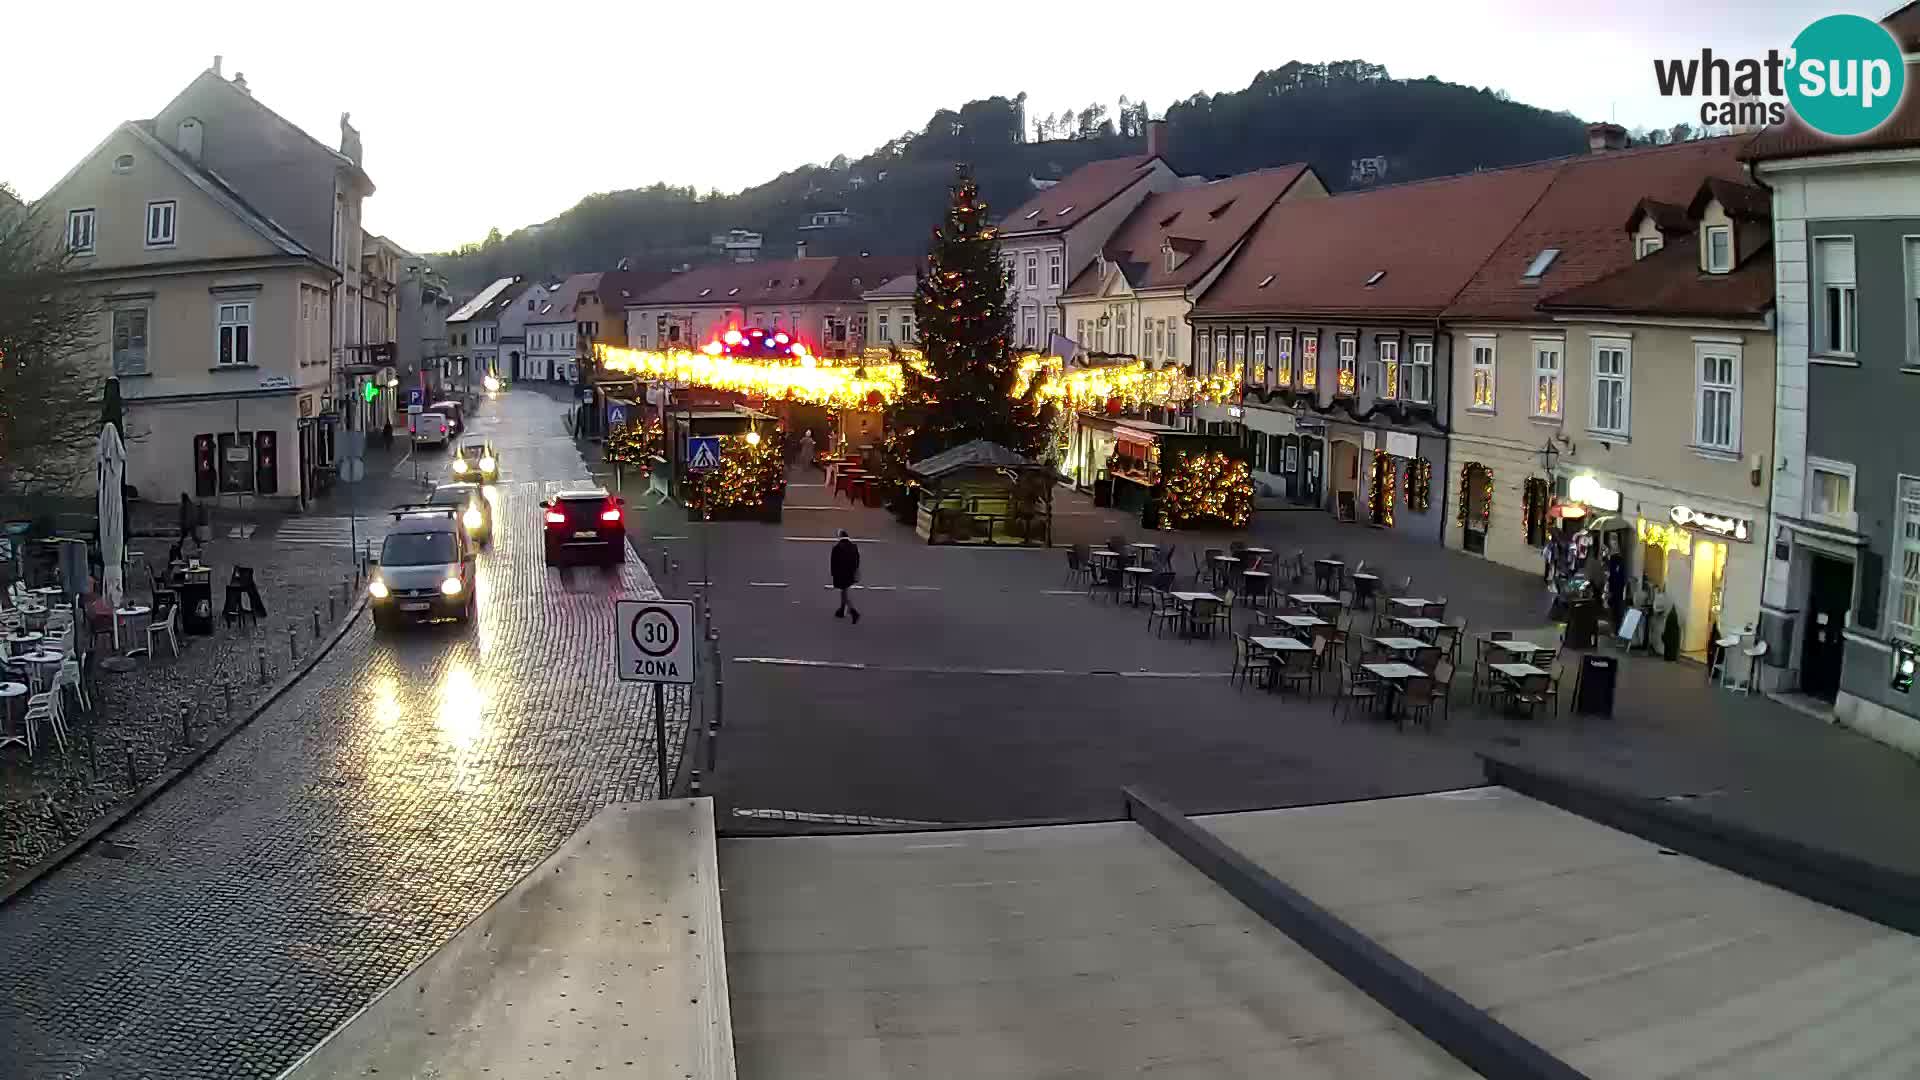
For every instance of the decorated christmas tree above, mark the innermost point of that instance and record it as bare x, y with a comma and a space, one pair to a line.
967, 389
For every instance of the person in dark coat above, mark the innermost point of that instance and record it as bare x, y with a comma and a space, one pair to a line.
845, 565
1616, 587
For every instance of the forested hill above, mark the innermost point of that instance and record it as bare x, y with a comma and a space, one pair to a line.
1329, 115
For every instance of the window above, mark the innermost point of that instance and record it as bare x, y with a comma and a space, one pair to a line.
1173, 339
1345, 377
1906, 569
236, 333
882, 331
1546, 379
1203, 354
1647, 245
123, 163
160, 223
1420, 373
1033, 270
1053, 268
1053, 323
1283, 359
1538, 267
1222, 356
1388, 384
1009, 264
1833, 263
1257, 369
1033, 320
906, 324
1717, 406
1309, 361
1080, 332
1610, 378
1913, 301
1240, 350
1719, 249
1830, 492
80, 232
130, 341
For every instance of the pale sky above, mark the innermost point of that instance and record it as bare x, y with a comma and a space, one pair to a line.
475, 115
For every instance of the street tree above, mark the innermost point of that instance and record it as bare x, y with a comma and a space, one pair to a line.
50, 393
967, 389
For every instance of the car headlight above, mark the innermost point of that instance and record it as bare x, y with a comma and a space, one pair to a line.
473, 518
377, 589
486, 464
451, 586
459, 465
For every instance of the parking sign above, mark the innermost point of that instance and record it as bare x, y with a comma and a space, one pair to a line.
656, 639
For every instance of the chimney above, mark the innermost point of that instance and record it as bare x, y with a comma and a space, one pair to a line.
800, 250
216, 63
187, 138
1604, 137
240, 83
1156, 138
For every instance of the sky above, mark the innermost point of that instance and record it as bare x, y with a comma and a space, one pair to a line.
476, 115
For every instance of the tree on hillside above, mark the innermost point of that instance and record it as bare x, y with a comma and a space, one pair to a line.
49, 403
966, 391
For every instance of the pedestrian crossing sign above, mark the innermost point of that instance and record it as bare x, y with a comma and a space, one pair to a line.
703, 453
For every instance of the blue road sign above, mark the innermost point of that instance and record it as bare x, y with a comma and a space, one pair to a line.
416, 396
616, 415
703, 452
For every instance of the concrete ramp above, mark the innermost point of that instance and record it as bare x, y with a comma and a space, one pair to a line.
606, 960
1061, 951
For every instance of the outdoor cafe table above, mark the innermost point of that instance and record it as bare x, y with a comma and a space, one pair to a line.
45, 664
1394, 675
1136, 577
22, 642
1400, 644
1518, 648
131, 611
48, 594
1257, 550
1141, 551
1364, 584
1419, 623
1300, 622
1516, 672
1413, 603
1223, 566
13, 712
33, 616
1278, 645
1313, 600
1327, 571
1191, 602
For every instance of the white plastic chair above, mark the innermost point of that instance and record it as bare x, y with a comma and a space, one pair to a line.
165, 628
46, 708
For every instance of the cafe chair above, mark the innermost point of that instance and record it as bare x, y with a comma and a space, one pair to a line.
46, 708
1162, 609
1356, 687
1246, 658
1077, 559
167, 628
1297, 671
1531, 692
1552, 691
1223, 611
1447, 640
1426, 659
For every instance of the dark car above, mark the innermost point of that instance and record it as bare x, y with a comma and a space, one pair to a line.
426, 569
476, 513
588, 522
455, 413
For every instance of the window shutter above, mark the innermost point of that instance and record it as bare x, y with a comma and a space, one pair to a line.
1836, 262
1913, 266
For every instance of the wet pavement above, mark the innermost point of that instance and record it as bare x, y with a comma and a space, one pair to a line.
348, 831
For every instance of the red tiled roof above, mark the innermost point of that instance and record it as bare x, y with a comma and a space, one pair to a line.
618, 288
1315, 256
1078, 194
1667, 217
559, 307
1904, 24
1580, 215
1204, 221
1795, 139
1670, 282
824, 279
1741, 201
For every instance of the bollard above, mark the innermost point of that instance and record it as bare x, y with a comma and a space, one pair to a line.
693, 787
260, 654
186, 724
333, 612
133, 772
316, 622
226, 689
293, 643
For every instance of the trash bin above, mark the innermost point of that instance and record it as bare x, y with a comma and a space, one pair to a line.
1593, 691
196, 604
1583, 622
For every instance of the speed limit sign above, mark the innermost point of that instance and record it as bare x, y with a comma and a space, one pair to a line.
655, 639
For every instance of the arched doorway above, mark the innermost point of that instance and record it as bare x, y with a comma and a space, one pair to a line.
1346, 479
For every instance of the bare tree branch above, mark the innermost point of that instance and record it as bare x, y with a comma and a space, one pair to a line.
49, 388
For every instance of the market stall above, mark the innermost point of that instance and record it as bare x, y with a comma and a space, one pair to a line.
726, 464
983, 493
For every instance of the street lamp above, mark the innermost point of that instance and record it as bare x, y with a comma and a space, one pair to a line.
1548, 456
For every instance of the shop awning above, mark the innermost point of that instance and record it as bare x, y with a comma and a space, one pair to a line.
1610, 523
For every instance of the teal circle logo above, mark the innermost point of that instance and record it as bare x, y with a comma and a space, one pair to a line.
1847, 77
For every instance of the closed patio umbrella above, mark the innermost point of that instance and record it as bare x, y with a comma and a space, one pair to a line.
111, 463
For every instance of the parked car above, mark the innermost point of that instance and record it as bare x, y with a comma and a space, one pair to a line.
585, 521
426, 569
476, 513
474, 459
428, 429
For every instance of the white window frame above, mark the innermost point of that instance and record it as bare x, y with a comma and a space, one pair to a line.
1553, 377
1483, 376
1053, 267
1283, 359
1715, 232
1386, 368
906, 326
1703, 351
80, 230
1173, 339
1307, 369
1240, 349
1624, 425
1903, 569
1031, 319
1848, 518
1419, 376
1910, 250
125, 365
1347, 350
881, 330
1052, 324
1203, 354
1257, 359
230, 317
163, 212
1847, 297
1033, 270
1222, 350
1646, 245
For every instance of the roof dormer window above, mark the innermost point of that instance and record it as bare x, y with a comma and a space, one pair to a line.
1644, 246
1538, 267
1719, 248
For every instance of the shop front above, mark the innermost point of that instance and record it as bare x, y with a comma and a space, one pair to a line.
1118, 459
1287, 454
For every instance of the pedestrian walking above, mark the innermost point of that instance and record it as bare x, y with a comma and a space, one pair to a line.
845, 565
806, 449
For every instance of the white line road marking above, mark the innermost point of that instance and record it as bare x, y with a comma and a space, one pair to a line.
912, 669
768, 584
790, 506
830, 539
923, 588
1063, 592
667, 538
806, 485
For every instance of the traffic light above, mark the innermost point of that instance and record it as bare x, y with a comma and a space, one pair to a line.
266, 466
206, 480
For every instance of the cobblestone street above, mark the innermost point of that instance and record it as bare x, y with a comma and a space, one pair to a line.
351, 829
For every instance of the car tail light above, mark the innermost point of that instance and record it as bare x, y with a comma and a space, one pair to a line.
555, 517
611, 513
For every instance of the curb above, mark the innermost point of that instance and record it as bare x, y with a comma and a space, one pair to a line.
127, 807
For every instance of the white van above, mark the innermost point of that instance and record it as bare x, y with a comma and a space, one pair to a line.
428, 428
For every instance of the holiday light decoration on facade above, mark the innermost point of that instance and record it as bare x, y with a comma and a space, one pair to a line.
1486, 494
1380, 488
1208, 486
1419, 485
